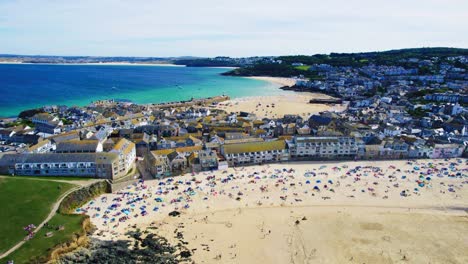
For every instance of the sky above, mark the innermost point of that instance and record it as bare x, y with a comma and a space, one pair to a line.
228, 28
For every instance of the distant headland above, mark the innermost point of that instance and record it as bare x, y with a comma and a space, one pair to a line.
335, 59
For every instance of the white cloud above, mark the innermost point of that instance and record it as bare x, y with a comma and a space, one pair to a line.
236, 28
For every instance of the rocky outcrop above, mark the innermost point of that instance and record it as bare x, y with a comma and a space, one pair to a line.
83, 195
79, 240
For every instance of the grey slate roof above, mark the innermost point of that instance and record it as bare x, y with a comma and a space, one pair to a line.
77, 146
65, 137
11, 159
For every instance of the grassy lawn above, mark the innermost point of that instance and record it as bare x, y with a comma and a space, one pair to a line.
25, 201
62, 178
303, 67
40, 245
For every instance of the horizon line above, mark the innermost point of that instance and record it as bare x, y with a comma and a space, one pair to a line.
195, 56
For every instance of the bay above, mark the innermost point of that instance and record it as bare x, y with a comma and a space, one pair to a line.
27, 86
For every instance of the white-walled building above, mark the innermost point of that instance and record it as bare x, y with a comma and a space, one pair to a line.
127, 154
255, 152
96, 165
322, 147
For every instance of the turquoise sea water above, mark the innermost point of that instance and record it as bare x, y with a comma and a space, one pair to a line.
26, 86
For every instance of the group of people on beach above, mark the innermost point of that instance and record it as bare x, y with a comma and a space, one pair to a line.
272, 185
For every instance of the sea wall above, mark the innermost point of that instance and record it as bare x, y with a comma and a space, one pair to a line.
117, 186
297, 88
192, 102
325, 101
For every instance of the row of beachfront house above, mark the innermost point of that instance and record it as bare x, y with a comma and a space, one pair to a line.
82, 158
111, 158
251, 151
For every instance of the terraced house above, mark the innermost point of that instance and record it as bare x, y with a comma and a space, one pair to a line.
301, 147
74, 158
255, 152
126, 151
61, 164
160, 162
79, 146
46, 123
208, 160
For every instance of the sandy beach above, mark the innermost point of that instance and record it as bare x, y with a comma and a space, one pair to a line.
129, 64
310, 212
278, 80
278, 106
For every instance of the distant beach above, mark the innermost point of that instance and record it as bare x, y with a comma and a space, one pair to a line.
96, 63
126, 64
283, 81
276, 106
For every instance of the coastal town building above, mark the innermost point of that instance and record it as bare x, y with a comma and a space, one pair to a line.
159, 162
47, 123
43, 146
308, 147
100, 165
80, 158
447, 151
79, 146
179, 163
208, 160
420, 151
255, 152
415, 108
126, 152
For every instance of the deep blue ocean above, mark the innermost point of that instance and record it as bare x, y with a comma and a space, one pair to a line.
26, 86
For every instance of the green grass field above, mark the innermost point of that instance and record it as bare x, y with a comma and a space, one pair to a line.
51, 178
303, 67
25, 201
40, 245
